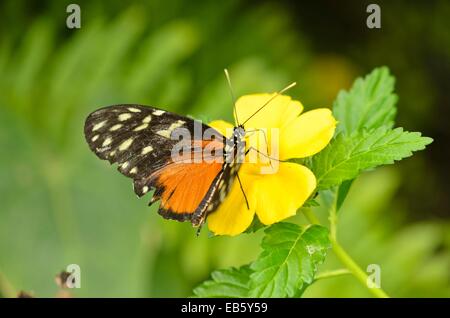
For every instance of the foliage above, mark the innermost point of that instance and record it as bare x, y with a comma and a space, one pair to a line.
232, 282
365, 139
287, 264
370, 104
348, 156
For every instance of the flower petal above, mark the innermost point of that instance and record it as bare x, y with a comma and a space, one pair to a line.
280, 195
233, 217
278, 112
307, 134
225, 128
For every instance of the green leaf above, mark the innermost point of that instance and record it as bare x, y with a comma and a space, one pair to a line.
342, 192
368, 105
347, 156
232, 282
289, 260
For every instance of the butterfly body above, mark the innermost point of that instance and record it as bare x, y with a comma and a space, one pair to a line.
233, 156
145, 142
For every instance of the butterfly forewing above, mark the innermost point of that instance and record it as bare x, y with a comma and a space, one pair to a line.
136, 137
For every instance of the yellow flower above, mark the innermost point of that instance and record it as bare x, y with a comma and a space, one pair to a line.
277, 195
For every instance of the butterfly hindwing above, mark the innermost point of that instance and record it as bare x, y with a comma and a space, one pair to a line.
213, 184
183, 187
223, 184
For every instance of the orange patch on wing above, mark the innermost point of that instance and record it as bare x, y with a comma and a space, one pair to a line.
186, 184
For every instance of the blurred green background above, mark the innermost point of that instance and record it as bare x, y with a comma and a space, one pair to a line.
61, 205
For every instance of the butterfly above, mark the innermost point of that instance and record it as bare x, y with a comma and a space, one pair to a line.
141, 140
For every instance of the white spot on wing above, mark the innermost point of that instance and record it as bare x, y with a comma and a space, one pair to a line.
145, 189
158, 112
99, 125
107, 142
115, 127
124, 145
179, 123
134, 170
164, 133
146, 150
141, 127
94, 138
112, 153
147, 119
124, 116
167, 132
124, 165
134, 110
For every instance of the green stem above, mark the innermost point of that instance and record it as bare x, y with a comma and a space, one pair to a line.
354, 268
312, 218
341, 254
333, 221
333, 273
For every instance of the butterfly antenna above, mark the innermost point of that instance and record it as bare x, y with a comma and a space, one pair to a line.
233, 97
270, 99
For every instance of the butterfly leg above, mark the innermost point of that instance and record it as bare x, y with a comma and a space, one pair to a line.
265, 140
243, 192
261, 153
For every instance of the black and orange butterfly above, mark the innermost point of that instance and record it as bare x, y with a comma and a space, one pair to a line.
141, 140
